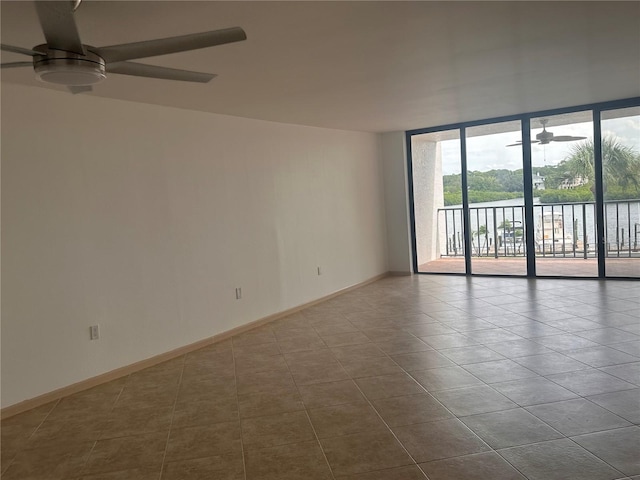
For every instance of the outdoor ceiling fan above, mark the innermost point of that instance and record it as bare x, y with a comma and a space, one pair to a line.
545, 137
65, 60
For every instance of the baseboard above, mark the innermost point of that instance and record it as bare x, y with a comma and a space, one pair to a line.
59, 393
399, 274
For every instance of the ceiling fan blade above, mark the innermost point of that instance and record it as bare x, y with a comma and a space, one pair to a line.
152, 71
164, 46
59, 26
566, 138
23, 51
75, 89
16, 64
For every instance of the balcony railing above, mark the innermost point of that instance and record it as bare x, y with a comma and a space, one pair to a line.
560, 230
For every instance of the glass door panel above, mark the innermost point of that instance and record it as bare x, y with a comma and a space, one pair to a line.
437, 198
621, 186
564, 202
496, 203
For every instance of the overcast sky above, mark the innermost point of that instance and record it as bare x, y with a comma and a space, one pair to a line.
490, 152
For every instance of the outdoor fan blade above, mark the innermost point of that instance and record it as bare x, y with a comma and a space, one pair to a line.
16, 64
75, 89
519, 142
151, 71
566, 138
23, 51
164, 46
59, 26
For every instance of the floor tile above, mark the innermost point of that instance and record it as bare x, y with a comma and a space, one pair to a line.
625, 403
619, 448
331, 393
280, 429
451, 340
607, 335
357, 351
406, 410
345, 419
565, 342
601, 356
499, 371
473, 354
509, 428
364, 452
124, 453
370, 366
308, 375
422, 360
576, 417
398, 473
287, 462
136, 421
445, 378
479, 466
590, 382
203, 441
259, 404
348, 338
137, 473
55, 461
550, 363
629, 372
519, 348
473, 400
558, 460
222, 467
398, 347
441, 439
264, 382
388, 386
532, 391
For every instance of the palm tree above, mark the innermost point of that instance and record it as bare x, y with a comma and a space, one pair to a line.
620, 164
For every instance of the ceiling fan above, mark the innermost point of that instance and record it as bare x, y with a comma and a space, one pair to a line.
65, 60
545, 137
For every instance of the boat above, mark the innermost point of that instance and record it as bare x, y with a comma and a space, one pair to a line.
551, 236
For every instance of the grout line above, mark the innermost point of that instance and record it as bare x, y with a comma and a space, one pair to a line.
235, 378
173, 411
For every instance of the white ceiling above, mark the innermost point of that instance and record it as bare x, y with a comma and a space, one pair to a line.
369, 66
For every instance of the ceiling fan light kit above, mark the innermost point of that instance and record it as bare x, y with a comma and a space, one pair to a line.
65, 60
65, 68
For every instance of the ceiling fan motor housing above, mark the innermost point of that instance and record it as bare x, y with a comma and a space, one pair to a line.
67, 68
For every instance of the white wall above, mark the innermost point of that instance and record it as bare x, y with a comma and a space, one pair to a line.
144, 219
394, 165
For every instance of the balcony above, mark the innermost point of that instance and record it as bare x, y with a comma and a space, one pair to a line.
564, 239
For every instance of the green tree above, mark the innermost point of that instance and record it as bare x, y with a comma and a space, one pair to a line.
620, 164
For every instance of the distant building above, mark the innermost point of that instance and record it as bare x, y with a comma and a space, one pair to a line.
573, 182
538, 181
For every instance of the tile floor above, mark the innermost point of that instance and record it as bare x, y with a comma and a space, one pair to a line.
408, 378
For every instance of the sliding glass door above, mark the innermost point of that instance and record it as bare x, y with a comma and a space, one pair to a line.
496, 199
562, 154
551, 194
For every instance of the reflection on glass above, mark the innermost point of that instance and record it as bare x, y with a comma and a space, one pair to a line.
437, 190
621, 186
564, 186
496, 204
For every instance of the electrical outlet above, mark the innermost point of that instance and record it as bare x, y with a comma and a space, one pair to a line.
319, 271
94, 332
238, 293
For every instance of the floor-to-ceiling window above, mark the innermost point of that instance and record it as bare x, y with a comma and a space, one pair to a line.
621, 190
552, 194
